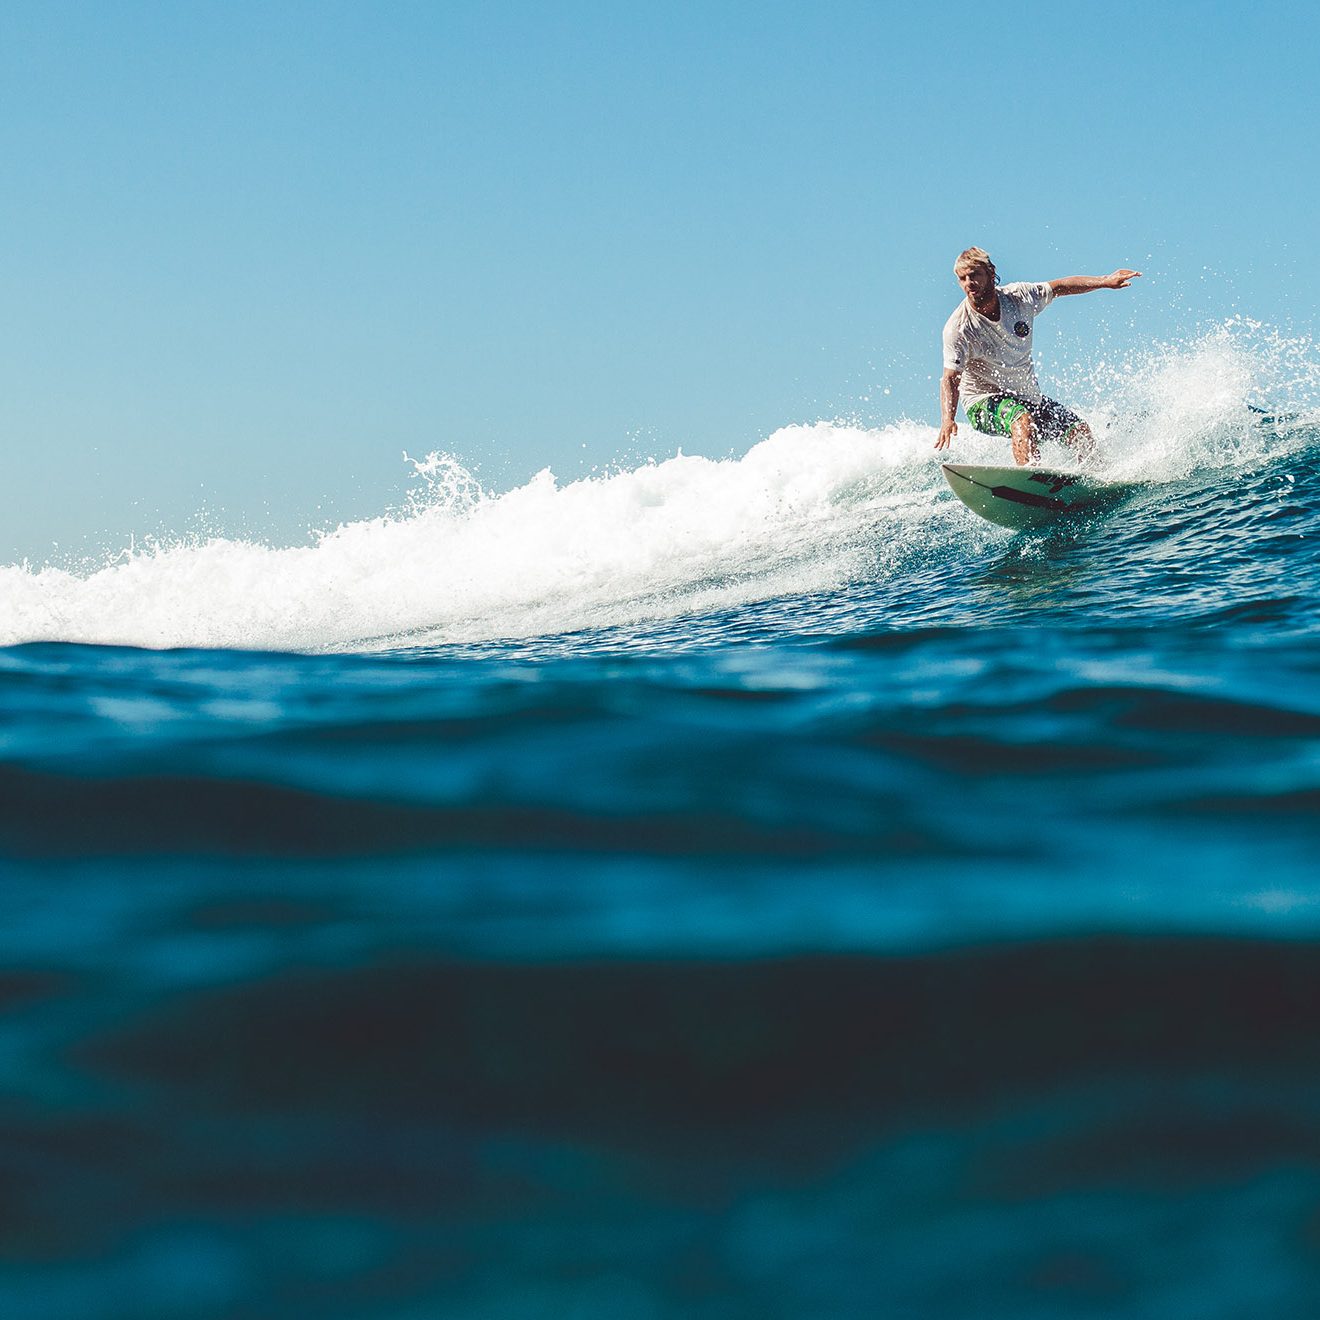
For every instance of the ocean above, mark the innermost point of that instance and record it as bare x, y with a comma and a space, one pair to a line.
747, 887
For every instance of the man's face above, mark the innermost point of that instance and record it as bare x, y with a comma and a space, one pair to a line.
977, 282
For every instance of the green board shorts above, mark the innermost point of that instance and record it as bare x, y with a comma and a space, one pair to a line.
996, 413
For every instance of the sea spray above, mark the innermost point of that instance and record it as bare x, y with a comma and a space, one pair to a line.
1235, 392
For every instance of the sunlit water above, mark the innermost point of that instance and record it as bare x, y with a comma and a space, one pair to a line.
742, 888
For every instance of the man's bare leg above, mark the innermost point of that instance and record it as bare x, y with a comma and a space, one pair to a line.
1023, 432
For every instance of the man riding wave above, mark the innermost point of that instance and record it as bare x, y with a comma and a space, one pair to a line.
987, 359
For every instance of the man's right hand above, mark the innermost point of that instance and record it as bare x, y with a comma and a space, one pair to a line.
947, 431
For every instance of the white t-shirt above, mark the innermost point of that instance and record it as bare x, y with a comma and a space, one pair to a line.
995, 356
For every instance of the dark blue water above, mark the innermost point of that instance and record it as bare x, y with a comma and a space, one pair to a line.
939, 940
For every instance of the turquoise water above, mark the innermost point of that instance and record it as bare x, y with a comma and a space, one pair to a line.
745, 888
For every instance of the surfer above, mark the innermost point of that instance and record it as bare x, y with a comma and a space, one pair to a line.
987, 358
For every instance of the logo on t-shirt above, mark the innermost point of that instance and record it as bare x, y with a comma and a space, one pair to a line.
1022, 329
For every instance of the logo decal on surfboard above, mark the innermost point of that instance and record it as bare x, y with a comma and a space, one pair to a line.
1056, 481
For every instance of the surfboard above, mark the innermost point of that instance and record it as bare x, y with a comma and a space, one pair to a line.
1025, 497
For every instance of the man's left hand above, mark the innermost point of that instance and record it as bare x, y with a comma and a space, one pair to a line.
1120, 279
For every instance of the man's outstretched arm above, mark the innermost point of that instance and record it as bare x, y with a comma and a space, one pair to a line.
1120, 279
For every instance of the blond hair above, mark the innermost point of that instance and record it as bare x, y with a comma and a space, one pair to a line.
972, 257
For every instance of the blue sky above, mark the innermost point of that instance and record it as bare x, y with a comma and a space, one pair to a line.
254, 251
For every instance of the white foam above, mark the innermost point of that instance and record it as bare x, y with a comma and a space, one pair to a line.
796, 513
